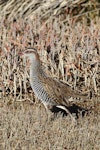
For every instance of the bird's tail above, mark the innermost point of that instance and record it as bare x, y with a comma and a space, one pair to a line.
80, 95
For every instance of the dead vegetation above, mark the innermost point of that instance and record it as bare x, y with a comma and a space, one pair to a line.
47, 9
70, 51
65, 53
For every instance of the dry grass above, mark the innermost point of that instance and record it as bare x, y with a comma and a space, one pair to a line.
24, 126
49, 8
65, 53
69, 51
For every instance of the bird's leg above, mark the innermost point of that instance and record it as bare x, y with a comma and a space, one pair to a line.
48, 112
67, 111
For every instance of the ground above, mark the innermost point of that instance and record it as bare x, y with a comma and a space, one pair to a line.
24, 126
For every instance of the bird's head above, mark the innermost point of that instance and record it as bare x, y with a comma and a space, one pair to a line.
31, 54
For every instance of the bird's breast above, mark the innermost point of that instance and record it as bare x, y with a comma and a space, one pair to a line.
39, 91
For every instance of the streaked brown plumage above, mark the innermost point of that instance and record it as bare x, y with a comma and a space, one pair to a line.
49, 91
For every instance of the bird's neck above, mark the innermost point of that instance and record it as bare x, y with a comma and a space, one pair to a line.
36, 69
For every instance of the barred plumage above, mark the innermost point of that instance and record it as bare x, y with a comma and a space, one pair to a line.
48, 90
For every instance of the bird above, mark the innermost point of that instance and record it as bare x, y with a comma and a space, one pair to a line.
51, 92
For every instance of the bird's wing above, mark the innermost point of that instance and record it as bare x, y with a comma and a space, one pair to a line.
60, 90
56, 91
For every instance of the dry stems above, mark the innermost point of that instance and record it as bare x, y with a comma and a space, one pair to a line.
69, 51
